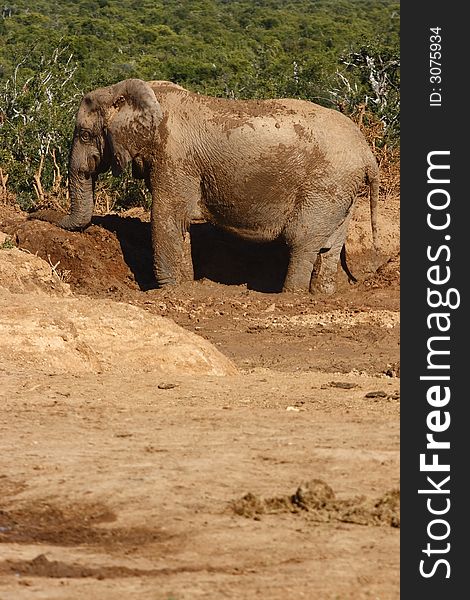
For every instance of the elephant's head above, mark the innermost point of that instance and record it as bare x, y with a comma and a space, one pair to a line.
114, 125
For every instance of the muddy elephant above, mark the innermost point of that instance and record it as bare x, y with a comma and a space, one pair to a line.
262, 169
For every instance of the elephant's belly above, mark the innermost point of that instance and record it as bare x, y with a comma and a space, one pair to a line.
253, 212
260, 234
256, 222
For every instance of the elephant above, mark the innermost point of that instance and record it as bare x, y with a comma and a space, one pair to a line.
284, 169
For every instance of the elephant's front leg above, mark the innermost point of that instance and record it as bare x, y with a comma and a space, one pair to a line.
172, 265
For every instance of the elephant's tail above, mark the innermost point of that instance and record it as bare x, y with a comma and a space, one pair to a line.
372, 175
344, 264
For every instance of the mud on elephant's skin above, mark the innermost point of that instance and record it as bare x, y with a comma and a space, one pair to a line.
262, 169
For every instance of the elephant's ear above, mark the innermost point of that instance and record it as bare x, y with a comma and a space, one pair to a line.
131, 121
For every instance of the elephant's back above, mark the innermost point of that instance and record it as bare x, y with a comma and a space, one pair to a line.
234, 111
282, 120
277, 121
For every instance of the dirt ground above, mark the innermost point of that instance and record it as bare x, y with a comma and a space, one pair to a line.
272, 473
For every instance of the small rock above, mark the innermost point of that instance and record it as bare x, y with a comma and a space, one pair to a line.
167, 386
344, 385
377, 394
314, 494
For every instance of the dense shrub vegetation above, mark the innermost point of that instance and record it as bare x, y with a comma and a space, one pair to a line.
340, 53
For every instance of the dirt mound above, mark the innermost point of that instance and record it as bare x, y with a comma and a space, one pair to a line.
316, 500
93, 261
76, 335
23, 272
386, 275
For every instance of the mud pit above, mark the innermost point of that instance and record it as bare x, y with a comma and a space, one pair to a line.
127, 479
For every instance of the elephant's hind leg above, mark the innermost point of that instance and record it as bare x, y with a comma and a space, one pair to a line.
316, 237
325, 271
304, 248
323, 279
305, 242
299, 271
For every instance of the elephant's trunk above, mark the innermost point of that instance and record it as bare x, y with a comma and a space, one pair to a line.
81, 189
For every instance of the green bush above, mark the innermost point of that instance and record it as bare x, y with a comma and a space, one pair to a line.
370, 79
37, 106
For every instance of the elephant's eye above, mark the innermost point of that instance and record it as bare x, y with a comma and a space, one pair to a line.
85, 136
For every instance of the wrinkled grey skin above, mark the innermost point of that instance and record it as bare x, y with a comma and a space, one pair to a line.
263, 170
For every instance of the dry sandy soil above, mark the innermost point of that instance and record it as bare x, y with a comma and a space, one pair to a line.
249, 451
